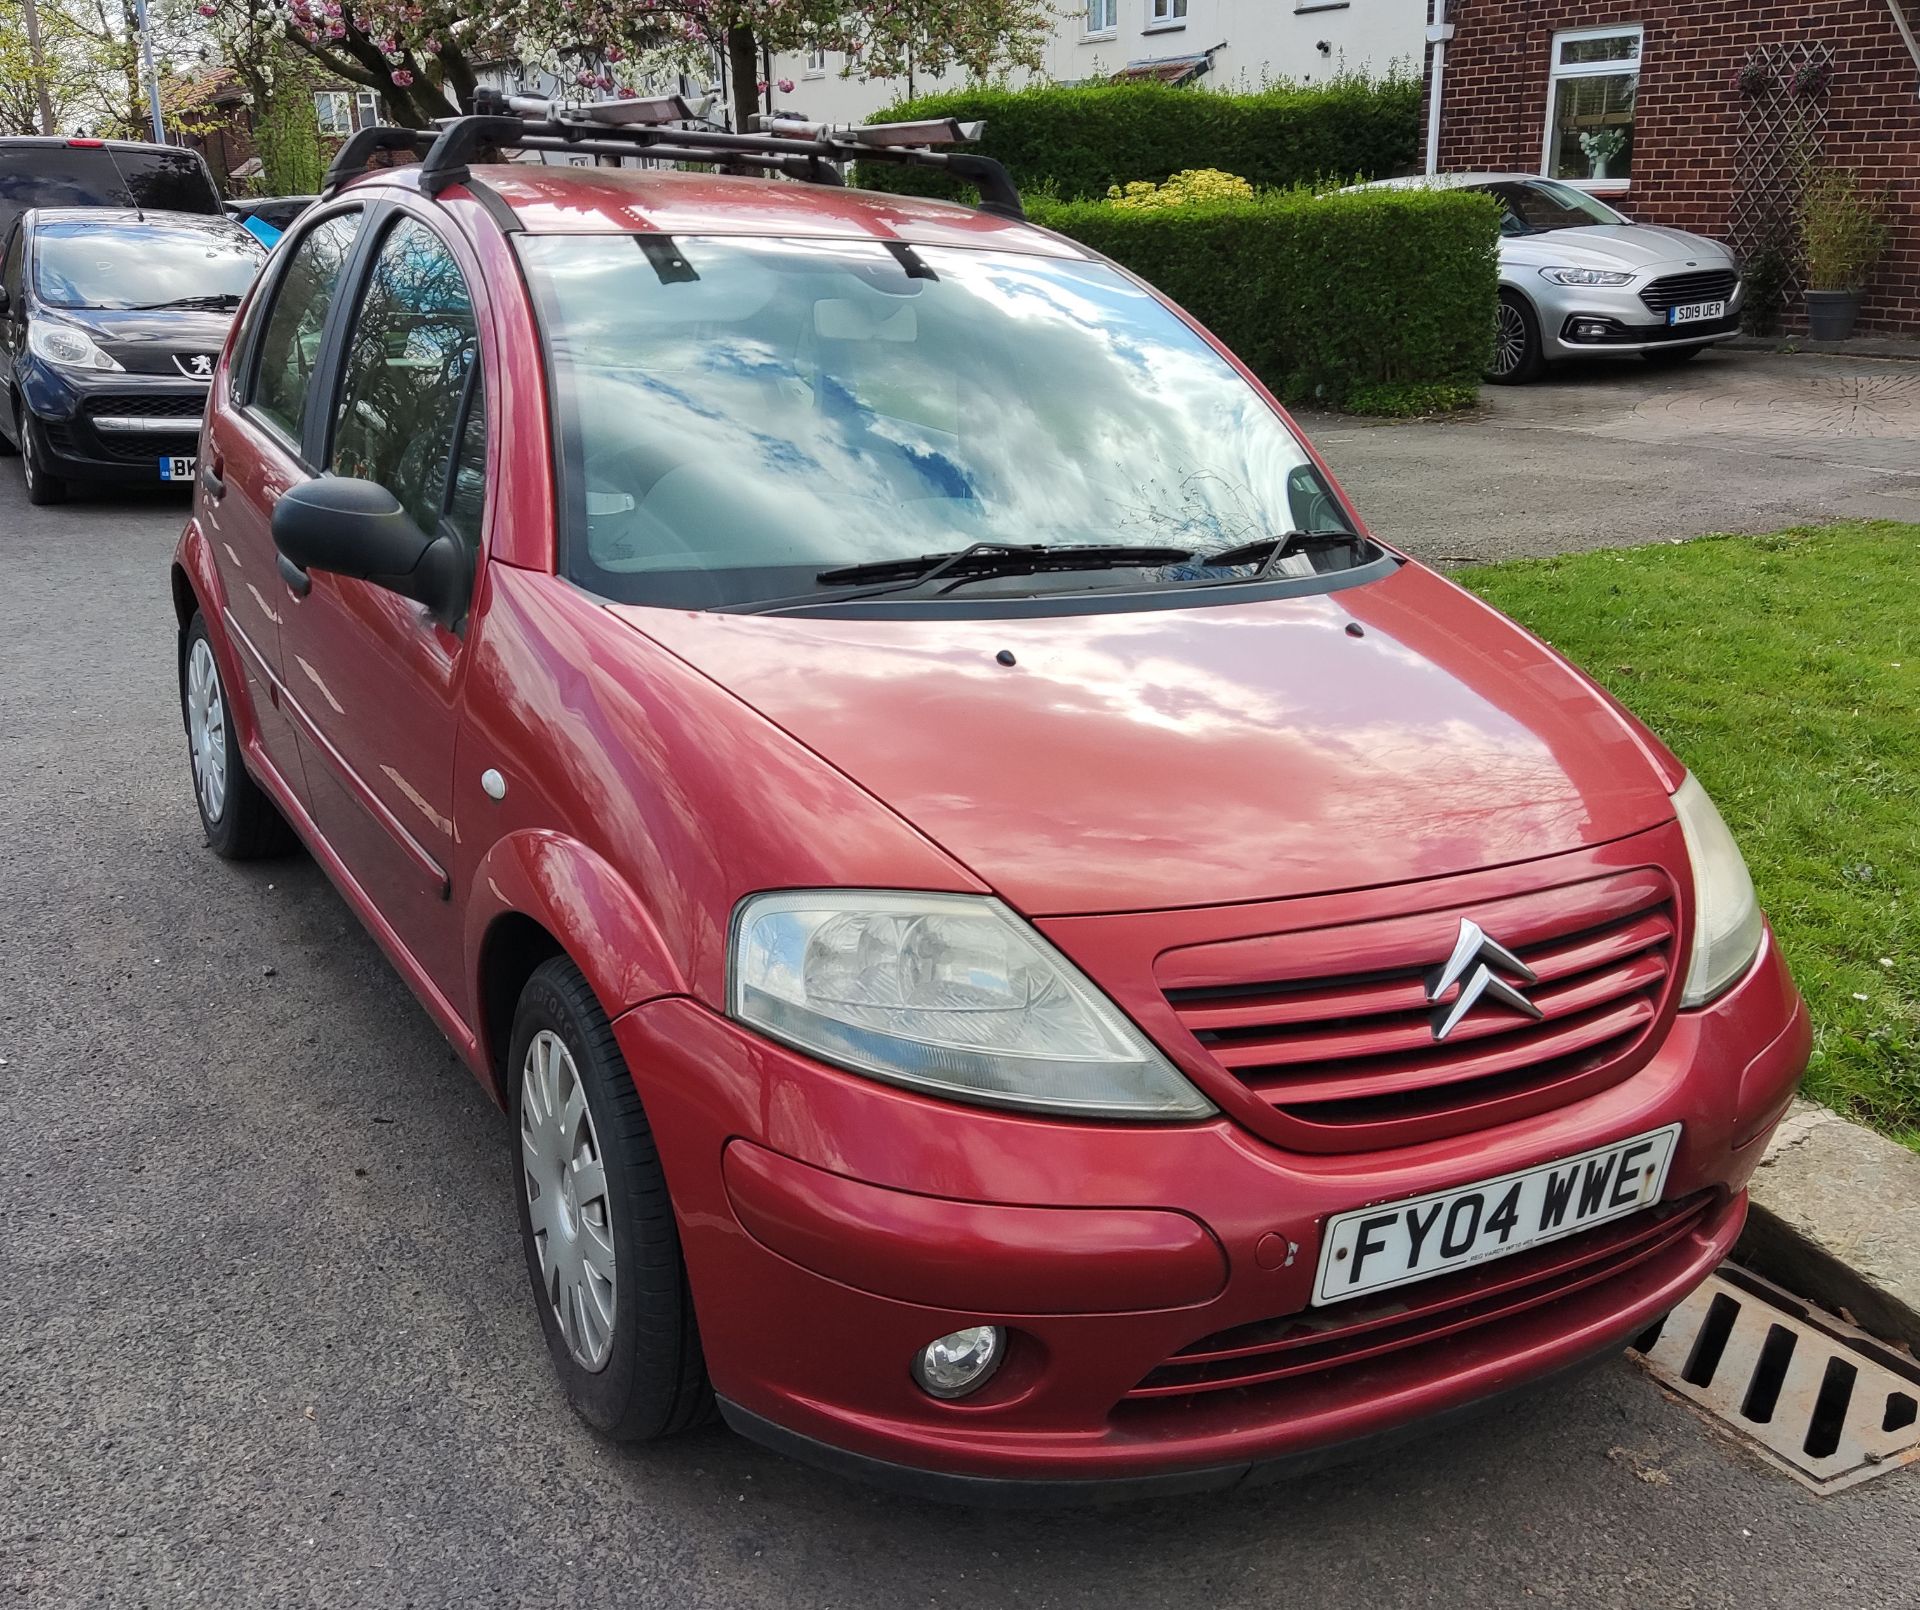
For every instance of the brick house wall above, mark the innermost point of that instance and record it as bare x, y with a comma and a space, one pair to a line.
1688, 114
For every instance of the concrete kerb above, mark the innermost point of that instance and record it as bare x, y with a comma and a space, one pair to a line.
1836, 1218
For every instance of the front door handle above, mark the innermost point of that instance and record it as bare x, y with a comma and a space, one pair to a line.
211, 483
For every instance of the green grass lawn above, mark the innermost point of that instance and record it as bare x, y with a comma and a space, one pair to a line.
1785, 670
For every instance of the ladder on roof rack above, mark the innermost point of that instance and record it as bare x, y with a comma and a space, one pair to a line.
667, 128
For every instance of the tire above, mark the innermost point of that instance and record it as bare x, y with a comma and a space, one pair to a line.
631, 1365
44, 488
1672, 357
1517, 353
240, 822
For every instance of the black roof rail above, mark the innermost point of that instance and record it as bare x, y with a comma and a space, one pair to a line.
667, 129
351, 160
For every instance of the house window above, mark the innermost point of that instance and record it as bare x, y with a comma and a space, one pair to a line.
1166, 13
816, 62
333, 108
1591, 92
1103, 16
366, 108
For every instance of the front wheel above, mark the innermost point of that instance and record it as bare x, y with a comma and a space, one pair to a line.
602, 1248
44, 488
1517, 353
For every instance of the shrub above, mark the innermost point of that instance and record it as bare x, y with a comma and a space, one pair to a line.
1193, 188
1380, 300
1079, 142
1843, 227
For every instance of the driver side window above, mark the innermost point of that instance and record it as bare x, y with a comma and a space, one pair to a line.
412, 409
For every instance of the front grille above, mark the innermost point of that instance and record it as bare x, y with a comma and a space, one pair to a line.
147, 448
1345, 1054
148, 405
1263, 1356
1677, 290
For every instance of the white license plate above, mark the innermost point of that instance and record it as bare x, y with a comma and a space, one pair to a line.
177, 469
1697, 313
1377, 1248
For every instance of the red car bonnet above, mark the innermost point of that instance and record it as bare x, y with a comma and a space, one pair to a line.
1180, 757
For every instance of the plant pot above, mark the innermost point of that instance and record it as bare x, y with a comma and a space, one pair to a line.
1830, 314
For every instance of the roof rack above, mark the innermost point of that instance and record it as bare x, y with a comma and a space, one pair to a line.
353, 158
671, 128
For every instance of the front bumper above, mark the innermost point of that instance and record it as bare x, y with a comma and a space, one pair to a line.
112, 426
1584, 320
833, 1226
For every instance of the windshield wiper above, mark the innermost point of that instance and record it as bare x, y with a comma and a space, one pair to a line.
1269, 551
1000, 559
220, 299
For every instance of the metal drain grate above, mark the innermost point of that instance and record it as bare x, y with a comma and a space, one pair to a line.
1824, 1402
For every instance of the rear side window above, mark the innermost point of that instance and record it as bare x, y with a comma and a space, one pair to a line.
290, 339
410, 389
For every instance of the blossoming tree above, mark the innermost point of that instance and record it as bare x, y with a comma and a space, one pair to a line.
420, 55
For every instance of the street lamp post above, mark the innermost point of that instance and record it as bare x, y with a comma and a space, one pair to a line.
153, 78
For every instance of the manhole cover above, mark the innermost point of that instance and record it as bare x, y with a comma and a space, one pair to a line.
1824, 1402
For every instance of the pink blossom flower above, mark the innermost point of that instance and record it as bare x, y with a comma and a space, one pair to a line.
209, 11
402, 77
785, 86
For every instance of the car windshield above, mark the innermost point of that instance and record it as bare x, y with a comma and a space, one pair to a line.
80, 263
738, 416
1537, 206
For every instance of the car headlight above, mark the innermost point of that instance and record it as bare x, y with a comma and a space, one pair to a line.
949, 994
1585, 276
66, 347
1726, 916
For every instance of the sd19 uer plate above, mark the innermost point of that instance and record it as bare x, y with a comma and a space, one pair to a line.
1374, 1249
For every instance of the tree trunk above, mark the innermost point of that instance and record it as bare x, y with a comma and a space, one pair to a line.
743, 68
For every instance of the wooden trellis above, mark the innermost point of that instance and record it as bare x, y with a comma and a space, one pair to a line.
1783, 122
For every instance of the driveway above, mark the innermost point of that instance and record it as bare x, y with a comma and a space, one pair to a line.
1603, 454
265, 1337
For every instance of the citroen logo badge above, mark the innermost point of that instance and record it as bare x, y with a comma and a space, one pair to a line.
1475, 956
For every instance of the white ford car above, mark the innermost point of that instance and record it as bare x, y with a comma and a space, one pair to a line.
1578, 279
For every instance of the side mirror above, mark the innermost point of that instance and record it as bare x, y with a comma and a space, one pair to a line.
357, 528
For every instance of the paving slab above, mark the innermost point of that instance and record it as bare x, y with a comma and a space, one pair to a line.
1836, 1218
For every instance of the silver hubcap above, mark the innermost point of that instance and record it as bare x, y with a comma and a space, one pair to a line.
567, 1205
207, 730
1509, 339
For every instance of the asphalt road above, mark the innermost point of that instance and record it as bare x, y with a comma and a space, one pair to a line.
264, 1332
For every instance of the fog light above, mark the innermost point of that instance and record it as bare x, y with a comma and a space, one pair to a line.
961, 1363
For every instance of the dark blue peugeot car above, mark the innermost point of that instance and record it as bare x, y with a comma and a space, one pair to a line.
110, 325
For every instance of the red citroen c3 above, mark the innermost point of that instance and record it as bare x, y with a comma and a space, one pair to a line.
1030, 956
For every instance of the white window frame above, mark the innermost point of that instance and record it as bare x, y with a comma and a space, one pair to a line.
1587, 69
814, 63
1101, 19
366, 107
1165, 15
336, 120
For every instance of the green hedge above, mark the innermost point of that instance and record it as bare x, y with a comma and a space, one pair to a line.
1075, 142
1380, 301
